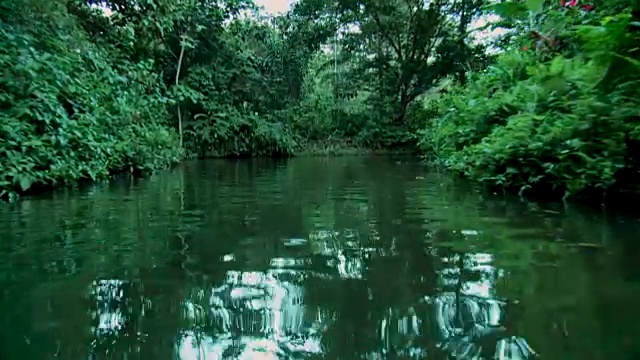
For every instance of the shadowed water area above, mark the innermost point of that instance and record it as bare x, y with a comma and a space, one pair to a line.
343, 258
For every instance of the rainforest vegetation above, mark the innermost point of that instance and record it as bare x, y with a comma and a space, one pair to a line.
549, 103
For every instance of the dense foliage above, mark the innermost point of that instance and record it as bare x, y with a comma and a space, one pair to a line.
94, 88
557, 113
72, 110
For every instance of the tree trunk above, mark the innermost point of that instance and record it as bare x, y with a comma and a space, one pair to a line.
462, 30
177, 79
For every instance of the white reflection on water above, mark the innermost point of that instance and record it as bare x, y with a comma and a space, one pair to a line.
252, 314
470, 319
110, 300
343, 251
194, 346
261, 314
465, 318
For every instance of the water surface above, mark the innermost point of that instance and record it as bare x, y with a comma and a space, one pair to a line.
343, 258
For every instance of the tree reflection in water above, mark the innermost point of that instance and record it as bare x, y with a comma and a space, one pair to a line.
116, 315
254, 314
470, 320
267, 314
464, 318
111, 313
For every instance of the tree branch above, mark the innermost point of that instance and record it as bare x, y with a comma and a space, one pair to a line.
395, 46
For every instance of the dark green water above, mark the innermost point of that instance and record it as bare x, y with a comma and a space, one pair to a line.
345, 258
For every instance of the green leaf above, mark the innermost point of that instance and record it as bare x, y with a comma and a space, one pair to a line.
535, 6
25, 182
557, 65
632, 61
556, 83
511, 9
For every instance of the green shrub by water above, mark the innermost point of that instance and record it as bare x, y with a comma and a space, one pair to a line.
554, 121
70, 110
85, 95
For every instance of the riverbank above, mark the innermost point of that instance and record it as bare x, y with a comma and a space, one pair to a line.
343, 148
335, 149
553, 122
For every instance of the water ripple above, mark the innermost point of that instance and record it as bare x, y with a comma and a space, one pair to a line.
346, 258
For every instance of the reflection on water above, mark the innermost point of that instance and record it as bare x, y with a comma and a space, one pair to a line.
350, 258
252, 313
264, 312
110, 315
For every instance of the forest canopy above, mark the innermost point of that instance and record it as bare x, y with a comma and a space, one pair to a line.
90, 89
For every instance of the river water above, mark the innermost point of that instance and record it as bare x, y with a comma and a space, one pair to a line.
317, 258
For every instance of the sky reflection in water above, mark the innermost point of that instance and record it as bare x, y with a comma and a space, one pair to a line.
263, 313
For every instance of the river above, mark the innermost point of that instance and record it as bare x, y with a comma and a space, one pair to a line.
316, 258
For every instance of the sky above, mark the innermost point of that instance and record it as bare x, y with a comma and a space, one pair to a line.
275, 6
280, 6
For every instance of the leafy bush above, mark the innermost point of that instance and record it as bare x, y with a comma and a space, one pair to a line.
67, 113
555, 121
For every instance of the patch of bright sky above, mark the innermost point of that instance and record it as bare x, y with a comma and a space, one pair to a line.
275, 6
486, 35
